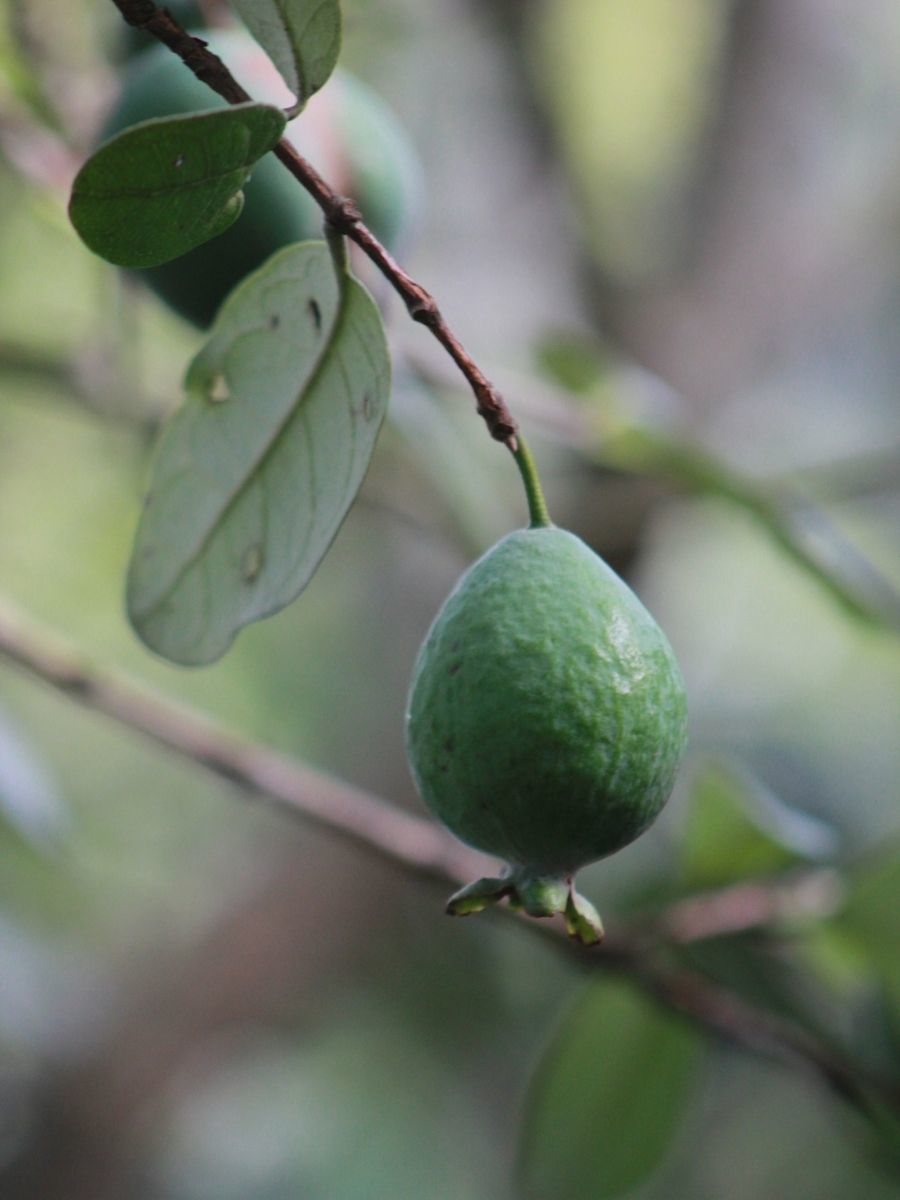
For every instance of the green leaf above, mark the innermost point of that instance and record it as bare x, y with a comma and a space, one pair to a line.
256, 472
608, 1098
29, 800
165, 186
302, 38
735, 829
870, 919
572, 361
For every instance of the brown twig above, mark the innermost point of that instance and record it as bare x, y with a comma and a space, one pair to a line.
340, 211
810, 894
415, 844
425, 850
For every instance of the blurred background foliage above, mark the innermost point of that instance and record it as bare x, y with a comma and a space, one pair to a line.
669, 229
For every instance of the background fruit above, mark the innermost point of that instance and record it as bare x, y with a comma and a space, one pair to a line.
345, 130
188, 13
547, 713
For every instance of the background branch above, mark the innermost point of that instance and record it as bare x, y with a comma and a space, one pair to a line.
423, 849
411, 842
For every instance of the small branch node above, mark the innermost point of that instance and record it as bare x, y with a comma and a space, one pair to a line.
423, 309
342, 214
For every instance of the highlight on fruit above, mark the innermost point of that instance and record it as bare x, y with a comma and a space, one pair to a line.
546, 720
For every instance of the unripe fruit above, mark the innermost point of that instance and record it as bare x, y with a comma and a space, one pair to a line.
546, 719
345, 130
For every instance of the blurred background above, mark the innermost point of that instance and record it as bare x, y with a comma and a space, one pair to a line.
670, 231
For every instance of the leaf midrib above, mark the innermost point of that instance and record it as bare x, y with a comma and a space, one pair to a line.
267, 450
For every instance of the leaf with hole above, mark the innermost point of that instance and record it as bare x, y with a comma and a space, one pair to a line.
167, 185
608, 1098
256, 472
302, 38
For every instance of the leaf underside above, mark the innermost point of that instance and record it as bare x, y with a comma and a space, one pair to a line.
164, 186
302, 38
256, 472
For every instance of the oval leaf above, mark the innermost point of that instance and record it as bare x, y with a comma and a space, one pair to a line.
165, 186
737, 829
256, 472
608, 1097
302, 38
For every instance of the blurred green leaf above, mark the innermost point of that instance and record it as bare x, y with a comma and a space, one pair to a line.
736, 831
302, 38
630, 89
573, 362
634, 413
256, 472
608, 1097
447, 452
883, 1135
861, 972
799, 527
870, 919
18, 77
29, 800
876, 1031
167, 185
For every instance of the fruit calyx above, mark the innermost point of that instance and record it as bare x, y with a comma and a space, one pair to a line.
538, 896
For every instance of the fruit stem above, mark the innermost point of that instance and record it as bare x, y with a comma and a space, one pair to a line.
338, 247
537, 505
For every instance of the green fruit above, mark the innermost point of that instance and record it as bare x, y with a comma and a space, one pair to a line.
346, 132
546, 719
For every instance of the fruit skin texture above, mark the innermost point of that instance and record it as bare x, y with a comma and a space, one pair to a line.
547, 714
347, 132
